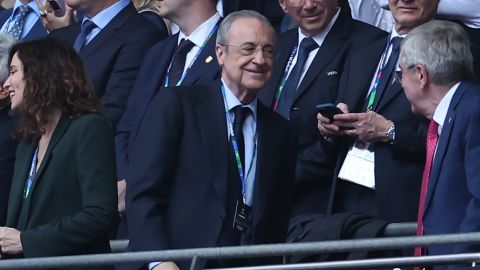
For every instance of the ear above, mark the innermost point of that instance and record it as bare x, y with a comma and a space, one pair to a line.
423, 76
220, 54
283, 5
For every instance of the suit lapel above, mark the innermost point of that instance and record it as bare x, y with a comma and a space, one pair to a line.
60, 129
443, 143
392, 90
211, 120
205, 63
266, 146
166, 56
329, 48
105, 35
358, 84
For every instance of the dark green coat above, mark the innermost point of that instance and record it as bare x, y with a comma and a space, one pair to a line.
73, 204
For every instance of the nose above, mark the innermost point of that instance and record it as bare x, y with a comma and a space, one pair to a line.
259, 57
308, 4
6, 84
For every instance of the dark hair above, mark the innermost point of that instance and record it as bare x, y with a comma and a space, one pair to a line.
54, 79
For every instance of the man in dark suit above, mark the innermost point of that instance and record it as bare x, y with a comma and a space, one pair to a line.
22, 21
196, 168
302, 79
382, 142
112, 40
172, 62
436, 65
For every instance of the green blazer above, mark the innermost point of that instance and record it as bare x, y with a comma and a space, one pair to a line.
73, 203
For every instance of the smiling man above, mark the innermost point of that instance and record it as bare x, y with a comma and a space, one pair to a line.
212, 166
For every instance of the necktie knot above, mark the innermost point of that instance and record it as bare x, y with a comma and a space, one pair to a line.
240, 114
88, 26
396, 43
17, 29
308, 44
184, 47
23, 10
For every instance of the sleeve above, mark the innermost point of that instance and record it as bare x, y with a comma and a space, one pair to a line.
471, 221
152, 168
95, 164
466, 11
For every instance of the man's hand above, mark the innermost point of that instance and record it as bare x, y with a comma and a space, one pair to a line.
10, 241
122, 187
166, 266
328, 128
51, 21
367, 127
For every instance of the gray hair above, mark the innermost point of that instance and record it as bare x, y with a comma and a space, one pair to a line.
443, 48
223, 34
6, 42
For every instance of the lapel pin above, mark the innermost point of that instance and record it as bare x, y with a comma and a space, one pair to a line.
209, 59
450, 120
331, 73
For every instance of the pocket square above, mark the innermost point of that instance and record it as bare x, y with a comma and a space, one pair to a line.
331, 73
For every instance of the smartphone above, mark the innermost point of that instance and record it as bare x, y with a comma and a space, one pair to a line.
328, 110
58, 7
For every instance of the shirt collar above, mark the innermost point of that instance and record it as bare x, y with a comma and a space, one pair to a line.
442, 109
31, 4
105, 16
199, 35
394, 33
232, 101
320, 37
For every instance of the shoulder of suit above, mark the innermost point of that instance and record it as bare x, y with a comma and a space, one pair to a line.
90, 120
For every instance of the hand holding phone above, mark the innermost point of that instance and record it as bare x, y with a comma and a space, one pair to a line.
58, 7
328, 110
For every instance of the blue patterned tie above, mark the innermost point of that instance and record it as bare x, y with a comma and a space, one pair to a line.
87, 27
17, 28
286, 99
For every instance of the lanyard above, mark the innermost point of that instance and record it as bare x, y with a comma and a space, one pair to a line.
243, 176
284, 77
167, 78
28, 185
373, 91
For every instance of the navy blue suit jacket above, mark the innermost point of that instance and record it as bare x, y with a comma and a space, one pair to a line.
453, 196
149, 81
319, 85
114, 57
398, 167
177, 182
37, 32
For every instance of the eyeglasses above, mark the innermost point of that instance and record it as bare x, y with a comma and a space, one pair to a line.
299, 2
397, 75
250, 49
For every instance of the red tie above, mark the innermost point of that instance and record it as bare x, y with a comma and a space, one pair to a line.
432, 139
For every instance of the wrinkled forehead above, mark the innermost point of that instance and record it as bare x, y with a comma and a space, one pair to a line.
251, 31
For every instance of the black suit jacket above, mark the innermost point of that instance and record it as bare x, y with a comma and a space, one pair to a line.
319, 85
37, 32
205, 69
114, 57
73, 204
398, 167
7, 159
177, 182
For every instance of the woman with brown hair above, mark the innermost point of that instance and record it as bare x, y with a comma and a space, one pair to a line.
63, 198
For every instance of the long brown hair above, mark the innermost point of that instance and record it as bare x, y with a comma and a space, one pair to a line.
54, 79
